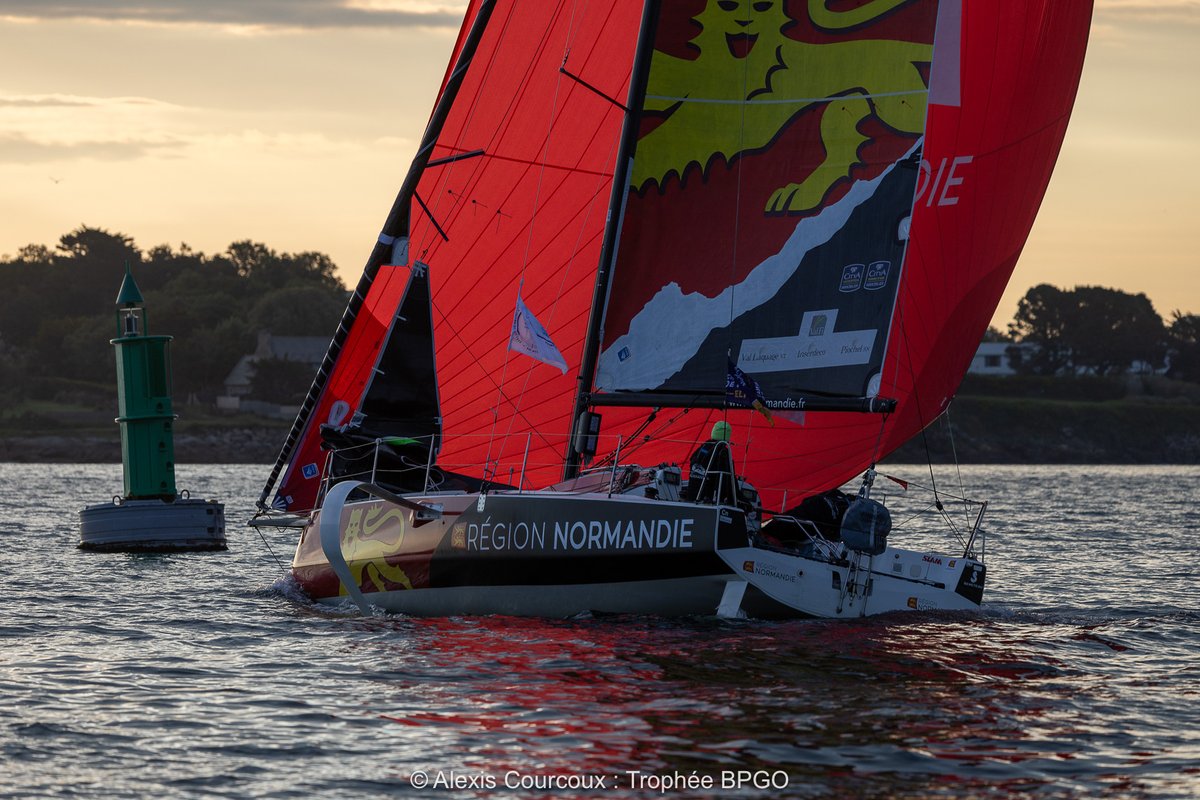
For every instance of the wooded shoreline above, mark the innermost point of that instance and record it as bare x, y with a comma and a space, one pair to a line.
986, 430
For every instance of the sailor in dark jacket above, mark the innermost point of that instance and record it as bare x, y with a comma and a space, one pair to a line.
710, 477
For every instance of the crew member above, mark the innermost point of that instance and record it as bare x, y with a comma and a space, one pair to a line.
710, 477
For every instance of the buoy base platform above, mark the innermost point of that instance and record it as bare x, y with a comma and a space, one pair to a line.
153, 526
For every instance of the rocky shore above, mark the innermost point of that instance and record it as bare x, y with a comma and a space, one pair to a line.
246, 445
995, 430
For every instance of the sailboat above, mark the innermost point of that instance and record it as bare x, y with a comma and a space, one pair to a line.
661, 278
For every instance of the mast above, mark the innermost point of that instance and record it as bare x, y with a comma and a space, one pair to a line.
394, 230
612, 228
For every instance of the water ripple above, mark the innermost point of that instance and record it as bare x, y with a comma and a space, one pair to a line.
210, 675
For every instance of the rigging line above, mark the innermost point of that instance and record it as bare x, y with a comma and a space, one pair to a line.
962, 489
634, 446
571, 30
953, 528
914, 515
500, 395
924, 488
614, 220
920, 414
603, 177
533, 214
629, 442
498, 131
262, 536
591, 205
879, 439
898, 315
497, 134
732, 279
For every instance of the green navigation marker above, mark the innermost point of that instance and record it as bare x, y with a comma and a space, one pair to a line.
143, 400
152, 516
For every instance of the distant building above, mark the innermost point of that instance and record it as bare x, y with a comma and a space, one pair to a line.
992, 359
995, 358
308, 350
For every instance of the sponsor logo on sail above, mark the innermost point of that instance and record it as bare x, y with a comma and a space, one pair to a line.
877, 275
309, 471
818, 345
940, 186
852, 277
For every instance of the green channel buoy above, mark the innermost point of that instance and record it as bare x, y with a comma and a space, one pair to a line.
152, 515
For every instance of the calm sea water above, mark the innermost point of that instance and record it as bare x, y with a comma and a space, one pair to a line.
207, 675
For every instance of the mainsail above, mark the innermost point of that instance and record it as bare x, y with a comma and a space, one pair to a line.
848, 184
513, 190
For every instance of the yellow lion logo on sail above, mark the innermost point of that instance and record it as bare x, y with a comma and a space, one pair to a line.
750, 80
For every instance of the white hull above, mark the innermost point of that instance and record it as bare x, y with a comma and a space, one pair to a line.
860, 587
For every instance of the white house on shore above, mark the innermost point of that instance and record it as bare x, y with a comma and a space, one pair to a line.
307, 350
992, 359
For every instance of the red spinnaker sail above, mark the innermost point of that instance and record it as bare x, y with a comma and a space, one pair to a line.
537, 123
1003, 86
992, 139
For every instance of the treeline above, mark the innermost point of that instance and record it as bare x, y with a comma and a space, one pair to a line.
58, 311
1093, 330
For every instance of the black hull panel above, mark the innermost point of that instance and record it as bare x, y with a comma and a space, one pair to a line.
530, 554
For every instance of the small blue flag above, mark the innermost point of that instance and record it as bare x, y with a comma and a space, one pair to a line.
743, 391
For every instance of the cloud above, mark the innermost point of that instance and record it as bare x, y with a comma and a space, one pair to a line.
19, 149
247, 14
42, 102
62, 127
1177, 11
36, 129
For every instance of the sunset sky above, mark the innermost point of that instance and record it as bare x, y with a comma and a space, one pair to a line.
292, 123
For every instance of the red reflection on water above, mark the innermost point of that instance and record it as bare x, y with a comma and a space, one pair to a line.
899, 705
526, 684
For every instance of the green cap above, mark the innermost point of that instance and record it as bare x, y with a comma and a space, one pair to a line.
721, 431
129, 294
